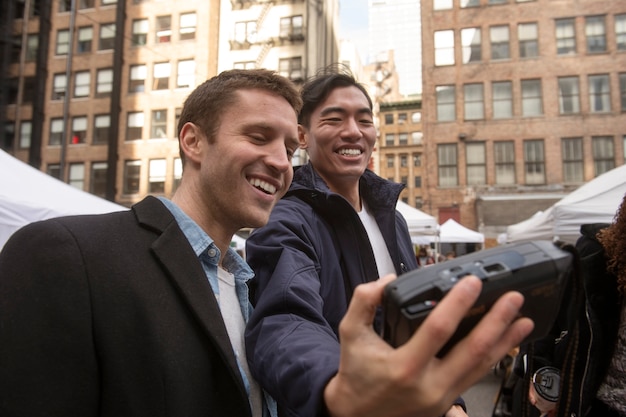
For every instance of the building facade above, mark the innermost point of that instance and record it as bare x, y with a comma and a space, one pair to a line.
523, 101
95, 87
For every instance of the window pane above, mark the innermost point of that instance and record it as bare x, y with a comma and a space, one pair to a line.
476, 164
599, 94
528, 40
499, 42
504, 156
474, 105
573, 160
534, 162
444, 47
531, 98
595, 33
502, 100
132, 172
446, 110
569, 97
565, 37
98, 179
603, 154
471, 44
157, 172
447, 159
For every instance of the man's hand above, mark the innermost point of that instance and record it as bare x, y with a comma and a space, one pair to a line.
375, 379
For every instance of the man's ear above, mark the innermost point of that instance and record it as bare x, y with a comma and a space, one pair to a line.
303, 137
192, 142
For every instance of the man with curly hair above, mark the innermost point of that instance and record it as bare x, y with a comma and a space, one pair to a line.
589, 348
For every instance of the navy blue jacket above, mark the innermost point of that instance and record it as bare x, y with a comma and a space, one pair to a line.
307, 260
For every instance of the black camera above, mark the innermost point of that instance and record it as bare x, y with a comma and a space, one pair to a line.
537, 269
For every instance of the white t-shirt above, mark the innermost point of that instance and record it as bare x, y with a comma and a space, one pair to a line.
235, 325
381, 253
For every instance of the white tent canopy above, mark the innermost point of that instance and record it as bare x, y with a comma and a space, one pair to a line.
28, 195
420, 224
594, 202
453, 232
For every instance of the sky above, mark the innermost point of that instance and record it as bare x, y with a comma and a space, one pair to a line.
353, 18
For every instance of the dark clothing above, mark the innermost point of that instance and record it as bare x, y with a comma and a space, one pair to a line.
112, 315
308, 259
584, 336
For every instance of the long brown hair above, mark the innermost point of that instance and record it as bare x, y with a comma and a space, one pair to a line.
613, 239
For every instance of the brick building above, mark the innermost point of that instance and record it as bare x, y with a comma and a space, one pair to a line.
523, 101
94, 87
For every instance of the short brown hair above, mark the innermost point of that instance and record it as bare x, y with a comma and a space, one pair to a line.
206, 104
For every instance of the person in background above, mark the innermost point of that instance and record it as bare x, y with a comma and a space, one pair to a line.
335, 230
588, 345
142, 312
424, 258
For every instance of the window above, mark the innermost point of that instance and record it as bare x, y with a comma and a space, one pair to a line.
388, 118
98, 183
603, 154
79, 130
32, 42
444, 47
404, 180
26, 133
622, 90
416, 117
473, 101
107, 37
77, 176
104, 82
245, 32
105, 2
565, 37
137, 81
595, 34
158, 128
470, 3
417, 138
447, 161
85, 36
56, 132
531, 98
139, 36
161, 76
499, 36
65, 5
573, 160
291, 27
187, 26
599, 94
178, 173
16, 49
403, 138
163, 29
63, 42
569, 95
390, 161
134, 128
534, 163
101, 129
291, 68
82, 84
620, 32
446, 110
417, 160
54, 170
389, 139
86, 4
442, 4
492, 2
8, 135
59, 84
404, 162
132, 176
502, 95
471, 45
417, 181
402, 118
244, 65
186, 77
504, 159
528, 40
476, 163
156, 176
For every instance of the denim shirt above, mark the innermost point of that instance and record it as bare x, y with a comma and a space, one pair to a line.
209, 255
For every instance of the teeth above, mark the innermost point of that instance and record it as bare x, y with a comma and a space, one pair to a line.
267, 187
349, 152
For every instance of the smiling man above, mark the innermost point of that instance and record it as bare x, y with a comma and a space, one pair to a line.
142, 312
336, 228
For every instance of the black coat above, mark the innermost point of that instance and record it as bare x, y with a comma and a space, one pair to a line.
112, 315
